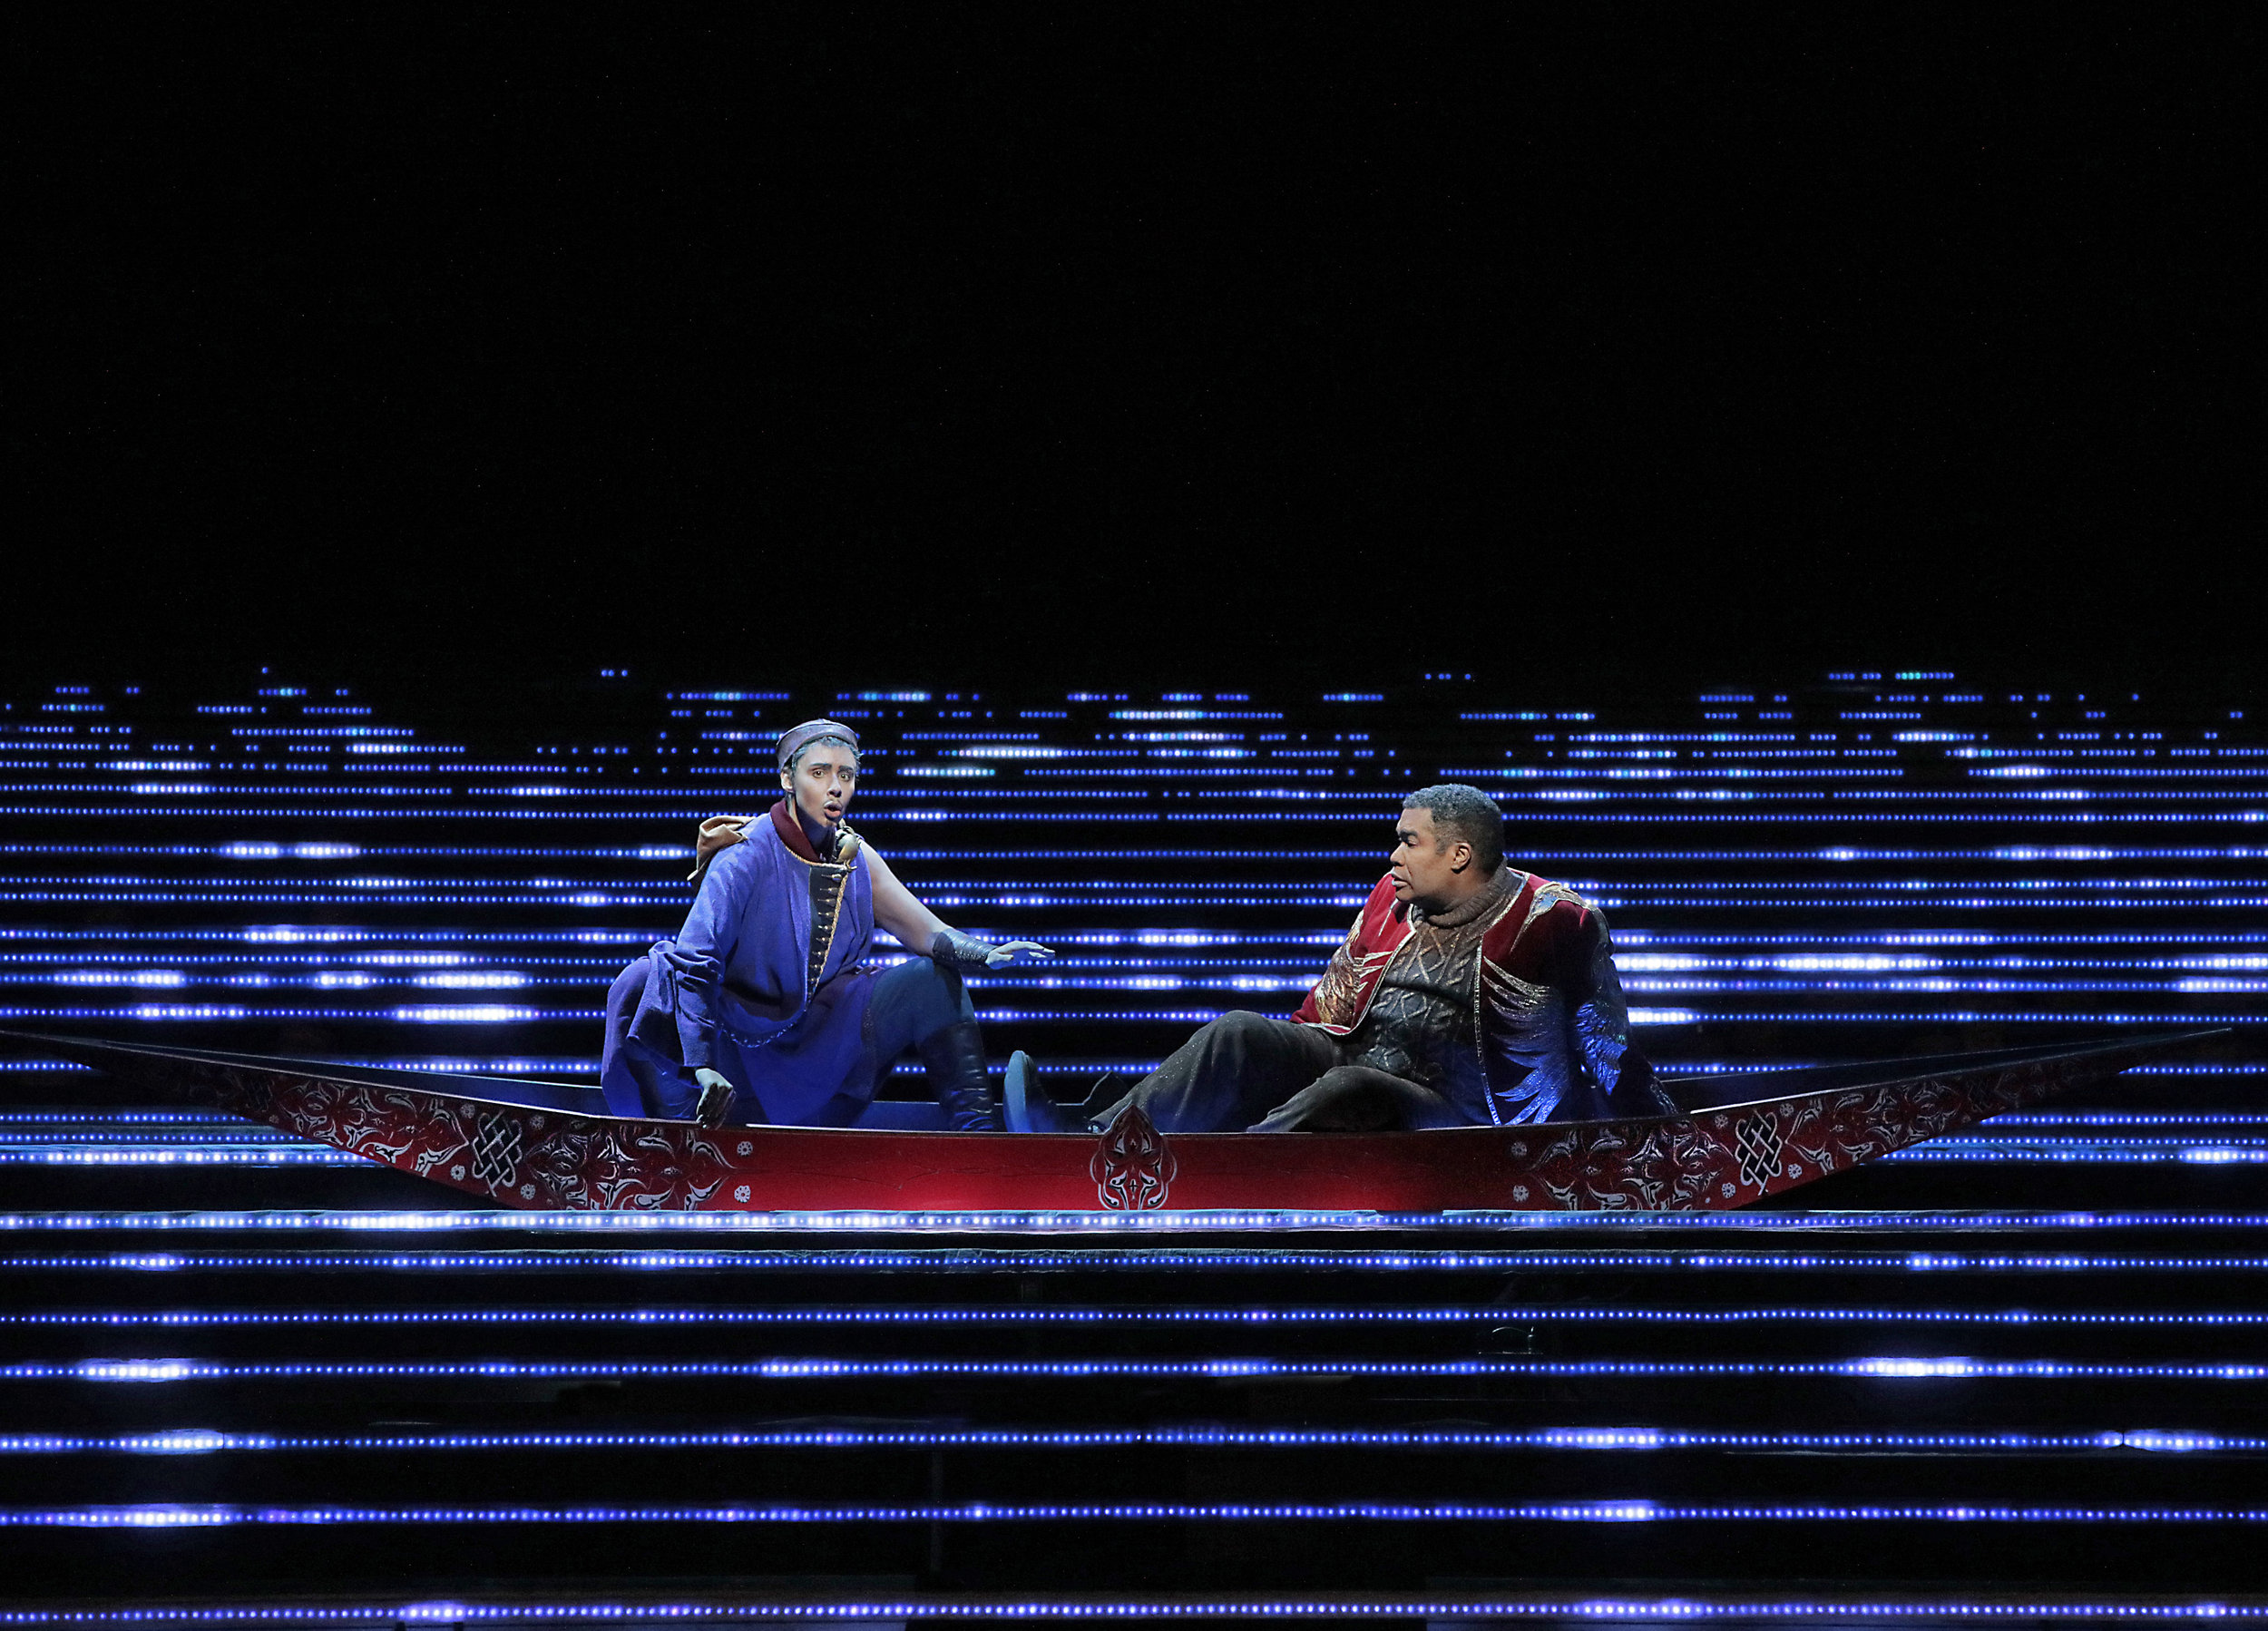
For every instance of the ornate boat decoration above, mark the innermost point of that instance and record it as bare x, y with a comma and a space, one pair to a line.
551, 1145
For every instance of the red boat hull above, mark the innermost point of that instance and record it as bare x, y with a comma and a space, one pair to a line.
528, 1155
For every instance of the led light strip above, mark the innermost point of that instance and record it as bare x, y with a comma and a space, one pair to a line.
1351, 1511
272, 852
1109, 1223
92, 1116
193, 1156
1312, 1606
1979, 1153
949, 1260
206, 1441
1489, 1314
1901, 939
700, 805
1986, 1143
253, 1151
817, 1369
2020, 1118
139, 1137
390, 935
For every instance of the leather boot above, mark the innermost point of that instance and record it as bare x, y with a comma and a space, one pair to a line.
955, 1060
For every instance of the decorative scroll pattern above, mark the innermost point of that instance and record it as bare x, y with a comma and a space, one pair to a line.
518, 1156
1715, 1159
1132, 1169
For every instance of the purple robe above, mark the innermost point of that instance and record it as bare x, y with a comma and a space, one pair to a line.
751, 988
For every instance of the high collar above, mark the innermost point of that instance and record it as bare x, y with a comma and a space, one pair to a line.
1489, 894
792, 835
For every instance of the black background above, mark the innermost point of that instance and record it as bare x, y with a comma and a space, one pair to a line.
1177, 346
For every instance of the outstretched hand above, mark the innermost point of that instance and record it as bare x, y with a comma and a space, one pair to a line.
1017, 952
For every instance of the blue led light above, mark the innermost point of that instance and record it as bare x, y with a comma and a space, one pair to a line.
206, 1441
1147, 1260
95, 1116
1113, 1223
1576, 1606
69, 1156
1894, 1367
975, 1512
1249, 1317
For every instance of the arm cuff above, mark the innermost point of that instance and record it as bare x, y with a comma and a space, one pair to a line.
956, 949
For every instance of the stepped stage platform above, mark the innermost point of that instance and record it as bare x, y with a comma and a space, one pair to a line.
2016, 1375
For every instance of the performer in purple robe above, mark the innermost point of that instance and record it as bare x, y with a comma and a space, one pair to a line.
762, 1009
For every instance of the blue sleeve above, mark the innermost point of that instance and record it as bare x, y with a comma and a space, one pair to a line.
1602, 1026
704, 946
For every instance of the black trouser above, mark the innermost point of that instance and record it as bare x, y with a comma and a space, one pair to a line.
913, 1000
1246, 1071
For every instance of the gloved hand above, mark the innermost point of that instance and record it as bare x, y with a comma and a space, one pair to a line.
717, 1095
960, 951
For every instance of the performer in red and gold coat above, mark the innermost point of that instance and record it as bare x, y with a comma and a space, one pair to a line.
1467, 993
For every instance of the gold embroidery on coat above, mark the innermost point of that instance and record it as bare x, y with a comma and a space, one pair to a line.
846, 848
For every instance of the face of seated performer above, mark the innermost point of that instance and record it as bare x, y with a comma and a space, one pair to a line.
1433, 868
821, 783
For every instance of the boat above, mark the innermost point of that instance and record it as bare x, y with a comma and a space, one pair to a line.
554, 1146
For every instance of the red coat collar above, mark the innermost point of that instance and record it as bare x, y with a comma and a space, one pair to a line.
791, 833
